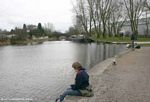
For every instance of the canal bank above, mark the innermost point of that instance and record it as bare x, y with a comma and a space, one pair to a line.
128, 81
95, 75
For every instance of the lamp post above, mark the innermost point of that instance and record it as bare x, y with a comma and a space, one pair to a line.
132, 41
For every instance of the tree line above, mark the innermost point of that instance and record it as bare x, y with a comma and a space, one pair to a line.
105, 18
28, 31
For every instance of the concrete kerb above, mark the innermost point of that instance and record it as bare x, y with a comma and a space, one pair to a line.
95, 74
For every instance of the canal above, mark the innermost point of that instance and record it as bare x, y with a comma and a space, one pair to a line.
41, 72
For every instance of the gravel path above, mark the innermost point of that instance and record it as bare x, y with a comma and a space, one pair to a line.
128, 81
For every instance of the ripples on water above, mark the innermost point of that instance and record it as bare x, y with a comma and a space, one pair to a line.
41, 72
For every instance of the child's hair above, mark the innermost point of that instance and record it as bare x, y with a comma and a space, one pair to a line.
76, 65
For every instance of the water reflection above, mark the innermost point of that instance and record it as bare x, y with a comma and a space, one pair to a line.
95, 53
42, 71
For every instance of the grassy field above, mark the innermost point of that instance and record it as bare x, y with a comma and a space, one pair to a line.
122, 40
144, 39
145, 45
119, 39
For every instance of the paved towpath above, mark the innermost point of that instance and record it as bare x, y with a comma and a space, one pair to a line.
128, 81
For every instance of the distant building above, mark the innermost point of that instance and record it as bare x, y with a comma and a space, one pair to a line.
9, 36
143, 27
3, 36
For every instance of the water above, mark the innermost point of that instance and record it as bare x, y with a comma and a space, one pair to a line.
42, 72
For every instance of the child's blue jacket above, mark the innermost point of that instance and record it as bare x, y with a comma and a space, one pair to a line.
81, 80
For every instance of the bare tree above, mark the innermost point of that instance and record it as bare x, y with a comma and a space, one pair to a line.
147, 12
147, 4
94, 17
117, 18
97, 22
90, 11
82, 14
100, 16
105, 11
134, 10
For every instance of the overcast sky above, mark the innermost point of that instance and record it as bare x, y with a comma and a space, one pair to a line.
17, 12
